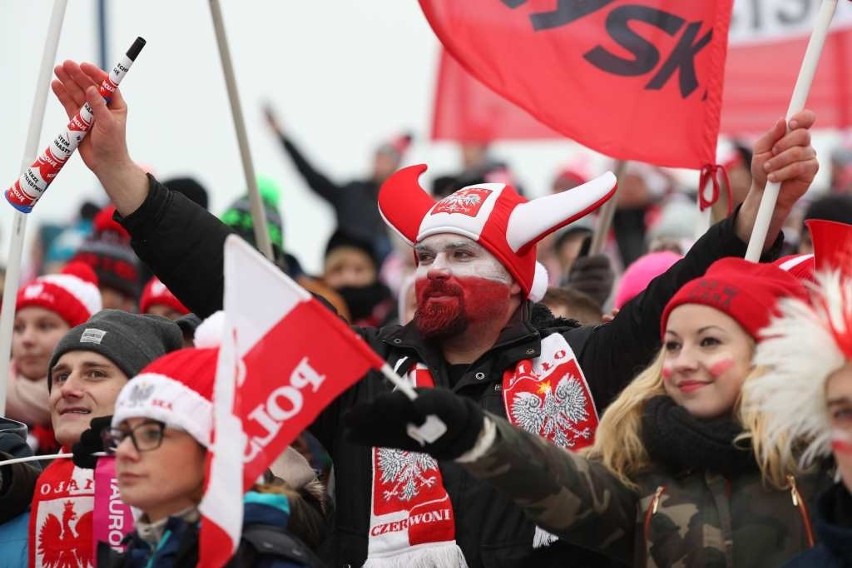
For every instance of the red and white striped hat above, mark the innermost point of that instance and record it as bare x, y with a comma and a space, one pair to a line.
493, 215
73, 294
156, 293
177, 388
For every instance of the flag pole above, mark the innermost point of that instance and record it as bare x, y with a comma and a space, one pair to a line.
258, 213
607, 212
19, 218
40, 458
797, 103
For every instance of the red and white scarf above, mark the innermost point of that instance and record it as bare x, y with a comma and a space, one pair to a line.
61, 517
412, 524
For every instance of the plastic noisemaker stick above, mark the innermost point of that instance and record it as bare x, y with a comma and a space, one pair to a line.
34, 181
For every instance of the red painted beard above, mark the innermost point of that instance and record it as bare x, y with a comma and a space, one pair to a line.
447, 306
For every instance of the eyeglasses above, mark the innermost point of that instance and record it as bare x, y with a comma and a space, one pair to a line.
145, 437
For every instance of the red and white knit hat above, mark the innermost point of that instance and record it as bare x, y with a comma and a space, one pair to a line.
177, 388
832, 242
493, 215
73, 294
748, 292
156, 293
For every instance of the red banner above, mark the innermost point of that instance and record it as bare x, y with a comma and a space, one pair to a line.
757, 89
632, 79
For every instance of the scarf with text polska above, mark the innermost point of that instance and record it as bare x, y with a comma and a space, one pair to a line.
61, 517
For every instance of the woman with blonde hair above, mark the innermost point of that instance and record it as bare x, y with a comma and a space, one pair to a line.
664, 483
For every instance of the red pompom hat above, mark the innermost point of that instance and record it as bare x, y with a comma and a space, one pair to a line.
491, 214
177, 388
155, 293
73, 294
746, 291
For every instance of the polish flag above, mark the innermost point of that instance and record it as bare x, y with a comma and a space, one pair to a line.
284, 357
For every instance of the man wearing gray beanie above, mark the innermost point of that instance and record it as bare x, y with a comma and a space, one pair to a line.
130, 341
98, 357
88, 368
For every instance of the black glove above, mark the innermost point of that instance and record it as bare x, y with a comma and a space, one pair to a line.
383, 422
91, 441
592, 275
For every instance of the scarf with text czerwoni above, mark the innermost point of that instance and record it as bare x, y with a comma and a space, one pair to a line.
411, 521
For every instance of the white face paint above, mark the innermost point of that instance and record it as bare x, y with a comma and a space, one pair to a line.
458, 256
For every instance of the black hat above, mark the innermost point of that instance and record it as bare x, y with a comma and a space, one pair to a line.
340, 239
831, 207
190, 187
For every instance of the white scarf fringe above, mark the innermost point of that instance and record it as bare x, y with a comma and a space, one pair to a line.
542, 538
432, 555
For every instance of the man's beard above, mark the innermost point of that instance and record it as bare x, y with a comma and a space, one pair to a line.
445, 310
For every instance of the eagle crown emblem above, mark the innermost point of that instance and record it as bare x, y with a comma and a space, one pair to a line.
139, 393
409, 472
466, 201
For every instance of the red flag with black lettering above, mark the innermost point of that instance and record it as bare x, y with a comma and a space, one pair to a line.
635, 80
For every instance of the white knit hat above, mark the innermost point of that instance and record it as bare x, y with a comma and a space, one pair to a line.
177, 388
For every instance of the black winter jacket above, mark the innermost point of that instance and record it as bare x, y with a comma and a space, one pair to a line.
183, 244
355, 203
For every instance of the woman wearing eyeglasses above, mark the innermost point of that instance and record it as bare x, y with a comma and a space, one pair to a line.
161, 431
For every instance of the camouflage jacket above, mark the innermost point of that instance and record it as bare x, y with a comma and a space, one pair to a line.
697, 519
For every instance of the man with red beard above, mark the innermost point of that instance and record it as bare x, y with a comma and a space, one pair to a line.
478, 330
460, 286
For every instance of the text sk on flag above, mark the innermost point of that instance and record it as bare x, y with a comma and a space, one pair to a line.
767, 40
635, 80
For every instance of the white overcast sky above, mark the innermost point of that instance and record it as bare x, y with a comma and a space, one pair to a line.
343, 74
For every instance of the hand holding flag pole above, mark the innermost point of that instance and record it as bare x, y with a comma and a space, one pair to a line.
797, 103
274, 328
38, 173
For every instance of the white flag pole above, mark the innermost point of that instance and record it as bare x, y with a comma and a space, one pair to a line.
258, 213
38, 458
19, 219
797, 103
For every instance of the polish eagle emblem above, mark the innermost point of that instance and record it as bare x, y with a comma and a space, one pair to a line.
406, 472
554, 413
62, 544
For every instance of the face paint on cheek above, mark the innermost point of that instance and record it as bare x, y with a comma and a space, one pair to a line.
667, 372
719, 368
841, 442
490, 268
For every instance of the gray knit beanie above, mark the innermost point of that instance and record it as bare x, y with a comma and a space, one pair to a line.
130, 341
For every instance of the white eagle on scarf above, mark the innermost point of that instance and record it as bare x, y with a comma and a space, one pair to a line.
554, 415
409, 471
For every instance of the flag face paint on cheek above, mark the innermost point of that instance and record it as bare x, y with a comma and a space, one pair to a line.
719, 368
461, 258
841, 442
